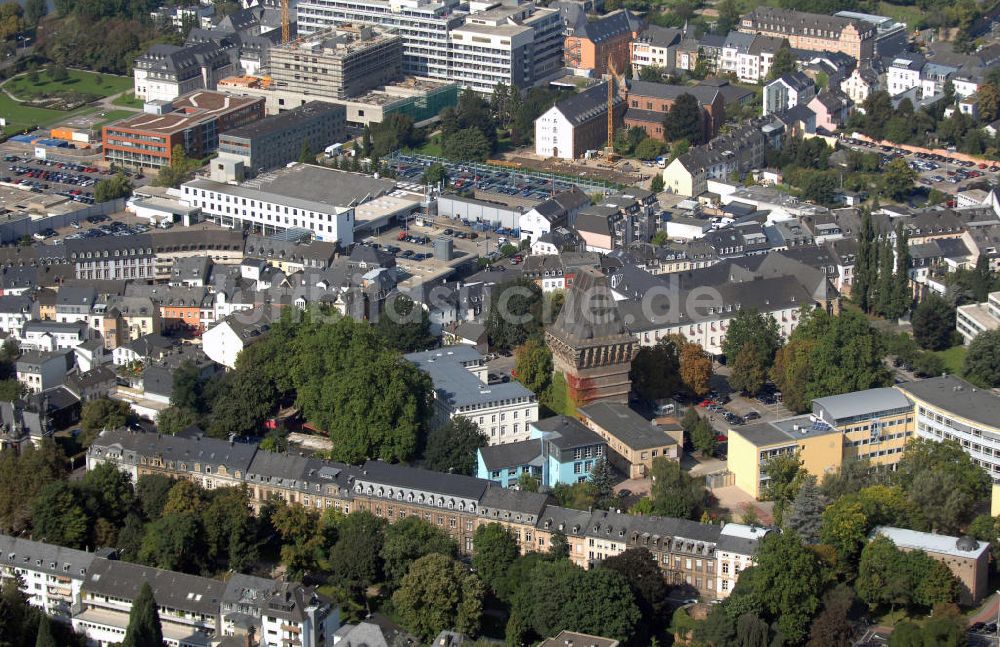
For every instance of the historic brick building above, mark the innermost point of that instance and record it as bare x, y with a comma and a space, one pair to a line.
590, 344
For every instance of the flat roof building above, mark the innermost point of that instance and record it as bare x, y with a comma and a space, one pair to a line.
872, 425
193, 121
967, 558
277, 140
325, 202
337, 63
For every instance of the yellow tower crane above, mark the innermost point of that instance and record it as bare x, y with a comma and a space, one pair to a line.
285, 26
610, 150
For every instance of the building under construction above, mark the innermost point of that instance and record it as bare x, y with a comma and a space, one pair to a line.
337, 63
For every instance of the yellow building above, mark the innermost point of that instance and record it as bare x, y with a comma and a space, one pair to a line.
873, 425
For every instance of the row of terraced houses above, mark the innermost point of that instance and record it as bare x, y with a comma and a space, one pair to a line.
705, 559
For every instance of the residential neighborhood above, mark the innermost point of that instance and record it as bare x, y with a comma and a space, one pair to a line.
482, 323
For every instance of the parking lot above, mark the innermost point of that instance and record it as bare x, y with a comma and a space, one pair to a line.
934, 170
494, 179
68, 179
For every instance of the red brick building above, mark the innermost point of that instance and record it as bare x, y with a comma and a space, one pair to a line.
193, 121
648, 103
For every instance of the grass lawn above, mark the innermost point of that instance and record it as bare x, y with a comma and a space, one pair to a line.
430, 147
78, 81
128, 100
911, 15
953, 359
19, 116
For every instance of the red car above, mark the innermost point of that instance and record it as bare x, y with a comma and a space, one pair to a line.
706, 402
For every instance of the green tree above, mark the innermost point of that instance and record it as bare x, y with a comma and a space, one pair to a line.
408, 540
787, 580
729, 17
143, 621
178, 170
452, 447
649, 149
103, 413
118, 186
469, 144
845, 527
833, 627
942, 482
749, 372
356, 558
752, 329
151, 492
22, 478
533, 364
602, 476
306, 154
792, 373
652, 74
864, 265
45, 636
783, 63
674, 492
982, 361
439, 593
58, 517
34, 11
244, 402
435, 174
514, 314
494, 549
934, 323
175, 542
645, 578
560, 595
898, 179
703, 437
806, 514
173, 420
684, 120
656, 186
655, 372
902, 293
391, 134
405, 326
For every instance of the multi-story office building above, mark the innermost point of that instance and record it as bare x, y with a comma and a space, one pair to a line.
873, 425
949, 408
422, 24
518, 46
686, 551
277, 140
274, 202
504, 412
337, 63
813, 32
165, 72
192, 121
975, 318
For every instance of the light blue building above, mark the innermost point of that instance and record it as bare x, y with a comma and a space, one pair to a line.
560, 450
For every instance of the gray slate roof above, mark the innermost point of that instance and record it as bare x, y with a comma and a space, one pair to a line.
626, 425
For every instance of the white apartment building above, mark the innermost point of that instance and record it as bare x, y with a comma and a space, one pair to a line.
861, 83
903, 74
734, 553
976, 318
949, 408
52, 575
15, 311
787, 92
504, 412
52, 335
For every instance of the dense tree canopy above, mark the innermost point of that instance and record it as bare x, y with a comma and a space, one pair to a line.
982, 361
452, 446
439, 593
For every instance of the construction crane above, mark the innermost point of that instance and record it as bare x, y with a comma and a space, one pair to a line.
610, 150
285, 26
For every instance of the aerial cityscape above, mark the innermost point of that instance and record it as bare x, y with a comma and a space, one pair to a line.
473, 323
